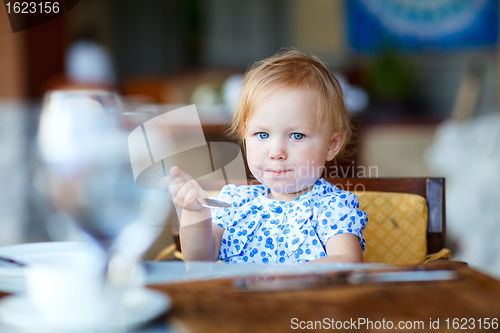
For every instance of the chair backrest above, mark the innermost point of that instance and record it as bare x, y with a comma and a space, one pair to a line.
432, 189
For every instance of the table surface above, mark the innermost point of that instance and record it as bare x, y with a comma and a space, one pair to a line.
204, 300
215, 306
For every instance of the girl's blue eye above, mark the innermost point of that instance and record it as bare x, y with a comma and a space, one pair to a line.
297, 136
262, 135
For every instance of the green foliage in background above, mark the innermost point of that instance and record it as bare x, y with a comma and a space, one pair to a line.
389, 77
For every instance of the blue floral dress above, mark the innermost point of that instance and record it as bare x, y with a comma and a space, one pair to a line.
261, 230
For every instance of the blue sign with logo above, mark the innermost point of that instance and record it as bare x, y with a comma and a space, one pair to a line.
423, 25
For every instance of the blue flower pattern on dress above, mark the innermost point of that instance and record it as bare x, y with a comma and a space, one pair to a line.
261, 230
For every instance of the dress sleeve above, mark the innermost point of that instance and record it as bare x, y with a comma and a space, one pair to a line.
223, 217
340, 214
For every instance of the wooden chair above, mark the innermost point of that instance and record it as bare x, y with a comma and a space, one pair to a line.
431, 189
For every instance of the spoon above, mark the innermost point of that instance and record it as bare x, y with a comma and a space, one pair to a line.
212, 203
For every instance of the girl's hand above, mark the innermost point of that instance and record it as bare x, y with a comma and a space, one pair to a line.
183, 189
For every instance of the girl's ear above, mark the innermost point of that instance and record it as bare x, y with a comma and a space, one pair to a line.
335, 144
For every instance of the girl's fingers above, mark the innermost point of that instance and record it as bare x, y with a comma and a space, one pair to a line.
187, 195
183, 188
192, 199
183, 191
191, 196
175, 179
179, 177
175, 172
179, 173
175, 183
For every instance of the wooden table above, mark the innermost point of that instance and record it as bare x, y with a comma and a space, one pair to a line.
215, 306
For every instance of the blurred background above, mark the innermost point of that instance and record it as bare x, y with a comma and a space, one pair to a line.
420, 77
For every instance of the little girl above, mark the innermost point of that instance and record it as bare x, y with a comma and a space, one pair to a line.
291, 119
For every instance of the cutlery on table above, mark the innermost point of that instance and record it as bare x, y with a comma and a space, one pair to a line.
271, 283
10, 262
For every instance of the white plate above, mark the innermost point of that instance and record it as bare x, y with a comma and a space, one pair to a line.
138, 307
12, 277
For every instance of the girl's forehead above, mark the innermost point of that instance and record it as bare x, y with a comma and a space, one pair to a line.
290, 110
286, 96
282, 98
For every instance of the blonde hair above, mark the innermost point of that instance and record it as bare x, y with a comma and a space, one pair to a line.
293, 70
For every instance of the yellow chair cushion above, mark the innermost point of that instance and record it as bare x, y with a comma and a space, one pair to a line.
396, 232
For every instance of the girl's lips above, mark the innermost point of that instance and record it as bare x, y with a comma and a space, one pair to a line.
278, 172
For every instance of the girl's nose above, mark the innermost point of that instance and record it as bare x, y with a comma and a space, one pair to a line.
277, 150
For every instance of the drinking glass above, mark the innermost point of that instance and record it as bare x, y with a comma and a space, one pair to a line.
89, 179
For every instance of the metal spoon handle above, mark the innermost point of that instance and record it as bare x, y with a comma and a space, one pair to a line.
212, 203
